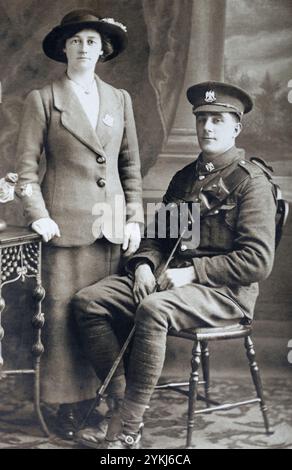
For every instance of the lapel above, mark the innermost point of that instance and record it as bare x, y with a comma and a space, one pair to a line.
73, 116
107, 116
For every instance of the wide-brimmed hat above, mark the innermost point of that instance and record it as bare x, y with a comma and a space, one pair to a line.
79, 19
219, 97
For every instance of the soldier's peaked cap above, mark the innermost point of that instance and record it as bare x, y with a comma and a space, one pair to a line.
219, 97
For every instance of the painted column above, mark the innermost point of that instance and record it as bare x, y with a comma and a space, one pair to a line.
205, 62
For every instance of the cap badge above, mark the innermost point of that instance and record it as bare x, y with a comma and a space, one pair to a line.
210, 96
210, 166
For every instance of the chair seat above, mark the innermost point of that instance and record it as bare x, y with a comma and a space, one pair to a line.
213, 334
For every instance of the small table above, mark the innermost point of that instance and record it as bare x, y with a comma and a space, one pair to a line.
20, 258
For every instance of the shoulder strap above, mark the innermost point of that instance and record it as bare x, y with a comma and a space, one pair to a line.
268, 170
262, 164
247, 169
228, 183
235, 178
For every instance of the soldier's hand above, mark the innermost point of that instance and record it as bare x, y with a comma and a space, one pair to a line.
47, 228
176, 277
145, 283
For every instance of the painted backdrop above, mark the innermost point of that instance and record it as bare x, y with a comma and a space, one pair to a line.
172, 43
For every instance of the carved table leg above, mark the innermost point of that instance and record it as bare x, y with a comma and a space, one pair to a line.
250, 351
2, 306
193, 389
38, 348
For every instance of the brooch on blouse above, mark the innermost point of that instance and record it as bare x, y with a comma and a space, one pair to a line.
108, 120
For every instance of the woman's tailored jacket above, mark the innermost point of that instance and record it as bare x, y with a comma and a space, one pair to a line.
91, 176
237, 240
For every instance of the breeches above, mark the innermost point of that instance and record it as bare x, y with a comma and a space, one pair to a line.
106, 312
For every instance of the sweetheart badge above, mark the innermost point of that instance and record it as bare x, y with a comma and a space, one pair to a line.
108, 120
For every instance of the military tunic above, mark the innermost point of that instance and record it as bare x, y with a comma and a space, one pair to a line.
237, 238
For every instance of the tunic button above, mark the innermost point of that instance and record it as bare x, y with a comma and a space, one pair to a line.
184, 248
216, 212
100, 159
202, 177
101, 183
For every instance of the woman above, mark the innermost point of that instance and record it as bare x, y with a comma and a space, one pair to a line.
86, 130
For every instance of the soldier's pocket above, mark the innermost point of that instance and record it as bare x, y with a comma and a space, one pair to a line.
219, 227
230, 215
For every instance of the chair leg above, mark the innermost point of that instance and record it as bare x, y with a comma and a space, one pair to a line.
193, 389
255, 373
206, 370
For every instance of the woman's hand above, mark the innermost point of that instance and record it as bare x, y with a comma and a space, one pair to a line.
47, 228
176, 277
145, 283
132, 238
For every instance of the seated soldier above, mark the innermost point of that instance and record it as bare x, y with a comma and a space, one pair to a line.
211, 285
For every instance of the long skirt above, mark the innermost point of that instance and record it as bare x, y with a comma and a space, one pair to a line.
66, 375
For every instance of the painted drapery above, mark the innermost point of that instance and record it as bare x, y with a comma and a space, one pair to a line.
168, 27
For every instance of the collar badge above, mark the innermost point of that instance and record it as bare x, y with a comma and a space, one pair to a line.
210, 166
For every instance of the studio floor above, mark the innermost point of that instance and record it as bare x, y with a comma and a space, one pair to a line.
165, 421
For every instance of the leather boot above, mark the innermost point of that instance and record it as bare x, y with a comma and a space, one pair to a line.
126, 440
109, 427
113, 417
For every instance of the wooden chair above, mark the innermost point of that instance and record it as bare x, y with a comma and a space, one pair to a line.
200, 355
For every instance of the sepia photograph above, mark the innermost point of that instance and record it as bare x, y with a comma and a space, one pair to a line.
145, 233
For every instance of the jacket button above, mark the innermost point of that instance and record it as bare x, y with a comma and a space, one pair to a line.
100, 159
202, 177
101, 183
184, 248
